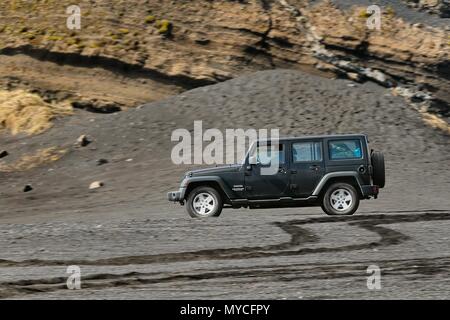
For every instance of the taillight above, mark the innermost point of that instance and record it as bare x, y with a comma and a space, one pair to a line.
375, 189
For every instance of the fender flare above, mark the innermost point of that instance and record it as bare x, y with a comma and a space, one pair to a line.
216, 179
338, 174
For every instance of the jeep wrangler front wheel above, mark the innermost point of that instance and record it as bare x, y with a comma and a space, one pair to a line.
204, 202
340, 199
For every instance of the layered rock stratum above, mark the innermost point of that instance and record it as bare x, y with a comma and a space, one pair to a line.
130, 52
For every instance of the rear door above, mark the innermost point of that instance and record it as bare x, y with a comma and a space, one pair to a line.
307, 167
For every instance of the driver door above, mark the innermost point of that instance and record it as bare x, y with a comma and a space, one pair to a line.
260, 185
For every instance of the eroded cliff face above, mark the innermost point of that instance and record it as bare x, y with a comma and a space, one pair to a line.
399, 54
165, 47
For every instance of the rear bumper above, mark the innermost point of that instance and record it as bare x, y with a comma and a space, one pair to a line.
176, 196
370, 191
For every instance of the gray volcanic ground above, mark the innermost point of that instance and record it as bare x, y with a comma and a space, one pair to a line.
131, 243
411, 15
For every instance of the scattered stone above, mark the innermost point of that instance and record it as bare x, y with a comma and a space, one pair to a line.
96, 185
202, 41
403, 92
3, 153
322, 67
83, 140
354, 76
420, 96
412, 94
27, 188
375, 75
102, 161
129, 160
343, 64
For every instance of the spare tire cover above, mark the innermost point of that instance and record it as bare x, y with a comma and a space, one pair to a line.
379, 176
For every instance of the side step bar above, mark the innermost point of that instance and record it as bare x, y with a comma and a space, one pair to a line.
287, 199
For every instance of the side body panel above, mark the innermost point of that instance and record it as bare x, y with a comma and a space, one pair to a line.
360, 166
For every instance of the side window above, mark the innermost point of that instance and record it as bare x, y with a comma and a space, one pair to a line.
264, 154
345, 149
307, 151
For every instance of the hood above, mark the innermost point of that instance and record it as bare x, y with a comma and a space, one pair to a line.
214, 170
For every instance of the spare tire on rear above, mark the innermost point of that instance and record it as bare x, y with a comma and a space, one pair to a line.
378, 176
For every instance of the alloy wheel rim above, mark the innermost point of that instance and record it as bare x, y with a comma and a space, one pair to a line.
204, 203
341, 199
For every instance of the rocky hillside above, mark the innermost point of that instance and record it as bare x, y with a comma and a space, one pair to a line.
130, 52
130, 152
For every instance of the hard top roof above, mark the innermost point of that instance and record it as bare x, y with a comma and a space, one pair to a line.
352, 135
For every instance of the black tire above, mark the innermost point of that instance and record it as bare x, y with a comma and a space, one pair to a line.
378, 176
331, 207
216, 201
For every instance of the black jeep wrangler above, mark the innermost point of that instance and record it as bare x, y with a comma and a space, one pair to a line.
334, 171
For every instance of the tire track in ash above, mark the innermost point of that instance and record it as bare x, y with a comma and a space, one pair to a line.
431, 267
298, 235
282, 273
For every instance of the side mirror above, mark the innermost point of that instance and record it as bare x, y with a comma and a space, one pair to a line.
251, 162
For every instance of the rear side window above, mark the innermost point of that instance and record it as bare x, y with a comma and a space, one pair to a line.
307, 151
345, 149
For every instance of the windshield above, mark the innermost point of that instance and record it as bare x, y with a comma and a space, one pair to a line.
250, 151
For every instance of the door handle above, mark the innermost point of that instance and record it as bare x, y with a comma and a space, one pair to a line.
315, 167
282, 170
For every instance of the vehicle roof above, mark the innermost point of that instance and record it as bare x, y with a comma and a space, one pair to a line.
352, 135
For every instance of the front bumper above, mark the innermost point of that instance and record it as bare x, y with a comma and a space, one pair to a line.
176, 196
370, 191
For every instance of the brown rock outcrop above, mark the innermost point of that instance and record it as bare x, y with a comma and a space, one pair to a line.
211, 41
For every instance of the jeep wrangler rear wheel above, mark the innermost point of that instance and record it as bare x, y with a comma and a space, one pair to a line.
204, 202
340, 199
